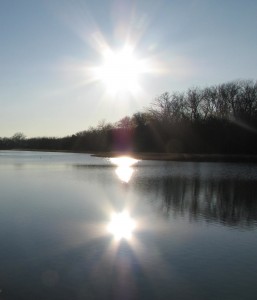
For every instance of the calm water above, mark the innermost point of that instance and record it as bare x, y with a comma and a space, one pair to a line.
195, 235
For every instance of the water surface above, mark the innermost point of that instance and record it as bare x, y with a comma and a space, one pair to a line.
196, 233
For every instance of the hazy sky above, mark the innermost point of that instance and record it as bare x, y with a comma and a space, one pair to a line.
48, 49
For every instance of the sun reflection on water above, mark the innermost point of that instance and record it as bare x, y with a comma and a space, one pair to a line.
124, 169
121, 225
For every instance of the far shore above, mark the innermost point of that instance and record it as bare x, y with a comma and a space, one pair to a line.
237, 158
182, 157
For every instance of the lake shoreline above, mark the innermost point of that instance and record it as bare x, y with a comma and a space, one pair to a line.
236, 158
182, 157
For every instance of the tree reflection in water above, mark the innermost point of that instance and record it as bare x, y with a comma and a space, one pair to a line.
231, 202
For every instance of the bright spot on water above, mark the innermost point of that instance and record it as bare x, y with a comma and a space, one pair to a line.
124, 173
124, 170
123, 161
121, 225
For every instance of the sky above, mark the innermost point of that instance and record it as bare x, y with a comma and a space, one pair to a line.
57, 57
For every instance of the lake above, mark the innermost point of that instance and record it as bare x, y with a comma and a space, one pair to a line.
194, 232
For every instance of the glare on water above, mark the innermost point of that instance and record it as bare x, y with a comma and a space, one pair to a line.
121, 225
124, 169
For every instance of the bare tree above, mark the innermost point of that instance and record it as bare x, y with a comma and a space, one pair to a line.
194, 98
18, 136
161, 108
126, 122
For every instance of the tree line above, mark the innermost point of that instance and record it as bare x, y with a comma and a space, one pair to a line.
216, 119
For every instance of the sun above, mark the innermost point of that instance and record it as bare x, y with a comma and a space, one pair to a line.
120, 71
